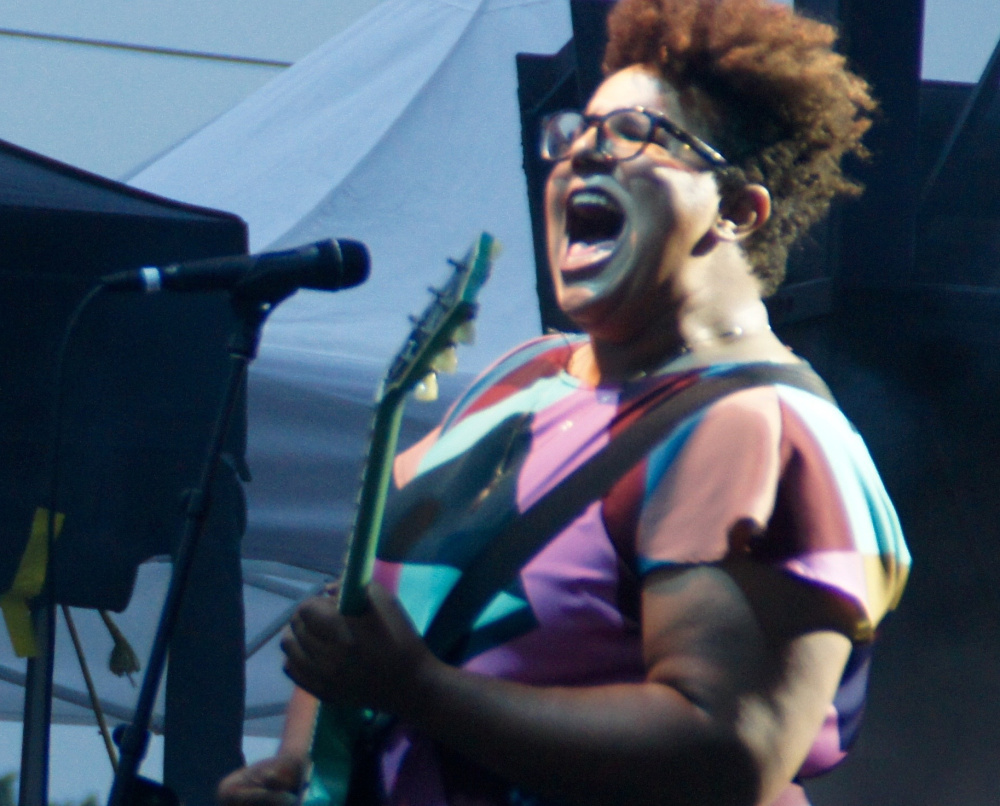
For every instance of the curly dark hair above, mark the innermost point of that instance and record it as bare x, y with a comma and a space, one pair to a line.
788, 107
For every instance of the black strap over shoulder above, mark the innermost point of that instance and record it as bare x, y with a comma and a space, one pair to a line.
526, 535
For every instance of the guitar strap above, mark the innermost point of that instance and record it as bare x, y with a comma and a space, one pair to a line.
516, 544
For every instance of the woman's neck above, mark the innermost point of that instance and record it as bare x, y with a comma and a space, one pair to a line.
696, 335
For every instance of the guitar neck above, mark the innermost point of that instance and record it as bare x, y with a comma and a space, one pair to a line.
452, 307
371, 505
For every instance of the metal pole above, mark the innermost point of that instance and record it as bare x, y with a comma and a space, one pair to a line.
34, 789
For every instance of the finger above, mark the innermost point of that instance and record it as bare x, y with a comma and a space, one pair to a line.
282, 772
270, 782
299, 674
306, 652
327, 648
319, 616
310, 660
308, 679
256, 797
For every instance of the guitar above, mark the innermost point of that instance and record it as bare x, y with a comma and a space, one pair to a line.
428, 349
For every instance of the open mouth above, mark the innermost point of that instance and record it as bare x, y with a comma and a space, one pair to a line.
594, 222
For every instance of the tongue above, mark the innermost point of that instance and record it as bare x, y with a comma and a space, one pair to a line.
581, 255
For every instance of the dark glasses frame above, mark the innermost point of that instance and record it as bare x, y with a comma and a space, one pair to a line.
657, 122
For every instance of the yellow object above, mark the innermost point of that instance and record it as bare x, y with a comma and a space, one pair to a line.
427, 390
465, 333
28, 583
445, 361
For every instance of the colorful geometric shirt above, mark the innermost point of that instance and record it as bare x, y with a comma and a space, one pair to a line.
776, 457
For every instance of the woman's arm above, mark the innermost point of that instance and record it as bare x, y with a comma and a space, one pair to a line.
734, 696
276, 781
743, 660
300, 720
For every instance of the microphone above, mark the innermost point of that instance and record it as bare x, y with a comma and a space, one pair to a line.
324, 266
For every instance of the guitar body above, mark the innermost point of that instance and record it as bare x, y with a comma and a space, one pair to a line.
335, 748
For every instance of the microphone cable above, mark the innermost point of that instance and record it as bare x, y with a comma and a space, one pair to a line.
54, 483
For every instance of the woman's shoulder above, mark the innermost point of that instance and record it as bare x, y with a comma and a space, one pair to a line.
733, 389
552, 350
545, 356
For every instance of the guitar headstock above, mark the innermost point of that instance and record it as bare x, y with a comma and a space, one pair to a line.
445, 322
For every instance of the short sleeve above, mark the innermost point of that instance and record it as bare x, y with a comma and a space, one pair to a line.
782, 475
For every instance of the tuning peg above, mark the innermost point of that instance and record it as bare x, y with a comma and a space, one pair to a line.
446, 360
465, 333
427, 389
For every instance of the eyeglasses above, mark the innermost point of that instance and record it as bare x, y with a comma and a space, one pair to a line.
622, 135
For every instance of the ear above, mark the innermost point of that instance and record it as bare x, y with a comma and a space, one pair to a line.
743, 212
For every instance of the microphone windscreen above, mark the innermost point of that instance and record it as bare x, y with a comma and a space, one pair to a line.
356, 262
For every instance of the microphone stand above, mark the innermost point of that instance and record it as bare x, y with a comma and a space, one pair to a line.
129, 788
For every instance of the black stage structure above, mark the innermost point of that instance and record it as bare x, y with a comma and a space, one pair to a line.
895, 300
141, 385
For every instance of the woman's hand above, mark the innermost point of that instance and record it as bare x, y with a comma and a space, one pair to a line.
373, 660
272, 782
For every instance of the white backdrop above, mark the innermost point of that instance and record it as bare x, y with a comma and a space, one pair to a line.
402, 132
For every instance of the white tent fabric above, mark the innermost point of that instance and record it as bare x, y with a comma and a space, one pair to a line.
402, 132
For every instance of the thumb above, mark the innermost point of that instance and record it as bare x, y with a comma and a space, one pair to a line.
283, 772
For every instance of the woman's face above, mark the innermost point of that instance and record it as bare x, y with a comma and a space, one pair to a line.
619, 229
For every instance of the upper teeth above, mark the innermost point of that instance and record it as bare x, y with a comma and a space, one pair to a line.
592, 197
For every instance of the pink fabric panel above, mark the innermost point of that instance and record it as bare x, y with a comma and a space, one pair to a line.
826, 751
820, 514
564, 435
571, 586
405, 464
843, 571
691, 512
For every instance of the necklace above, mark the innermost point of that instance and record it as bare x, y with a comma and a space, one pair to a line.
725, 338
673, 362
